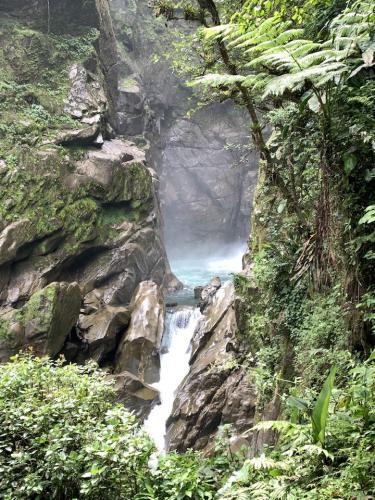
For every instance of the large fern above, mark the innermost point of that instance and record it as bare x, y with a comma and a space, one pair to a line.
277, 58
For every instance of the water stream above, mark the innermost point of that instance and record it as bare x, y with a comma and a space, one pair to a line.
174, 365
180, 325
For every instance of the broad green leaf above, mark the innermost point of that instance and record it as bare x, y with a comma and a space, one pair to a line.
299, 403
320, 411
369, 215
350, 161
281, 207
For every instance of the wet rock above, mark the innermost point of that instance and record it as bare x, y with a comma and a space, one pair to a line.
198, 292
79, 137
115, 173
14, 237
50, 315
174, 284
239, 444
87, 104
102, 328
208, 292
107, 235
139, 350
217, 389
86, 99
136, 396
43, 323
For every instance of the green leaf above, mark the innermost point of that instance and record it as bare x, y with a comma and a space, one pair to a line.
350, 161
281, 207
319, 415
369, 216
299, 403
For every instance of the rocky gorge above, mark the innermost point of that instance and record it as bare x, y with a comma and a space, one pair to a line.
187, 228
102, 172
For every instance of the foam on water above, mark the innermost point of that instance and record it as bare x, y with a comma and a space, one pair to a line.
174, 365
179, 329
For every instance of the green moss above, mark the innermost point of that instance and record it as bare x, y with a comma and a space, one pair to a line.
138, 184
4, 329
36, 307
34, 82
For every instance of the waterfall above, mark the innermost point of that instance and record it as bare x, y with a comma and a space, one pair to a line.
174, 365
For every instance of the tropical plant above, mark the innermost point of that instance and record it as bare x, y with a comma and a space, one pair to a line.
61, 436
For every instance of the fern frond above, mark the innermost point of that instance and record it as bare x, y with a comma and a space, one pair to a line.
291, 34
294, 81
216, 31
261, 47
216, 80
331, 76
257, 81
321, 56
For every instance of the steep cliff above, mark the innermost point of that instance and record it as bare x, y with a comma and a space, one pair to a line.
207, 173
217, 390
80, 219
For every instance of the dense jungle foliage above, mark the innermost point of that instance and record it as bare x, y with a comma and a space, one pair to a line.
62, 436
304, 71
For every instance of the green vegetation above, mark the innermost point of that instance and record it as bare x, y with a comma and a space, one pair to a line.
63, 437
298, 467
34, 173
303, 71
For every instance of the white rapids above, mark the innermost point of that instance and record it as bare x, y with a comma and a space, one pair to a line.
174, 366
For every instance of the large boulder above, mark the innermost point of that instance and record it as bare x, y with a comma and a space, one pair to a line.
135, 395
86, 100
115, 173
14, 240
112, 240
206, 294
101, 326
43, 323
216, 390
139, 350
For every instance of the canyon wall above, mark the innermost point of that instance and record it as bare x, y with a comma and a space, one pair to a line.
206, 176
80, 225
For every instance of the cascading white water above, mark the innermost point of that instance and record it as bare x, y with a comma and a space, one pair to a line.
174, 365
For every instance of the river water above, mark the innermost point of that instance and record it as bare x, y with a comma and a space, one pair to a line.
180, 324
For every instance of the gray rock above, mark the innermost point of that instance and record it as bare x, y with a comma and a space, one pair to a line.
139, 349
207, 293
49, 317
44, 322
115, 173
135, 395
14, 237
216, 390
82, 136
86, 99
102, 329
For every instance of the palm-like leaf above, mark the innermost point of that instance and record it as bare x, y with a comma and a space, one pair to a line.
280, 60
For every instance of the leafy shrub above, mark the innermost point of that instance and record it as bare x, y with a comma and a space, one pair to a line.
184, 476
297, 468
62, 437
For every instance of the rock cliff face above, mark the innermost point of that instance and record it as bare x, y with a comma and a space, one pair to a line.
216, 390
80, 224
205, 188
